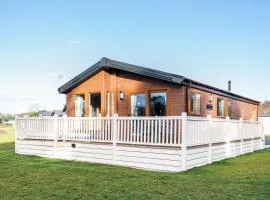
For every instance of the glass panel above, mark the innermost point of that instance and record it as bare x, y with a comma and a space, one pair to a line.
95, 105
192, 103
137, 104
198, 104
195, 104
79, 105
220, 107
158, 103
230, 108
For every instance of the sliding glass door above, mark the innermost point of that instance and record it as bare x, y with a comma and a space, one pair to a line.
79, 105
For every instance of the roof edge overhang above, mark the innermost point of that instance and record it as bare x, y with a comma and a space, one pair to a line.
218, 91
108, 63
77, 80
105, 63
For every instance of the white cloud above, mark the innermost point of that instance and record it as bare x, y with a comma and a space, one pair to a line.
72, 42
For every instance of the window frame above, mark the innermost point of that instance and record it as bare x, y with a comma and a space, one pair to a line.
230, 108
84, 98
218, 99
189, 104
149, 100
89, 102
145, 95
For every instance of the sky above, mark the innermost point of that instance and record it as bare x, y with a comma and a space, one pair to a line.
208, 41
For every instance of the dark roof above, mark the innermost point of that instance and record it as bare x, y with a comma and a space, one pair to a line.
108, 63
221, 92
152, 73
264, 115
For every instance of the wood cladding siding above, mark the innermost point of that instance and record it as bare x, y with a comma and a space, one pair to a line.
114, 82
239, 109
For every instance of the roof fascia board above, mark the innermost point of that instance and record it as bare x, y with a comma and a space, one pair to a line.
222, 93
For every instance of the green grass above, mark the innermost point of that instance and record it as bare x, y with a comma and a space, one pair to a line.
6, 134
31, 177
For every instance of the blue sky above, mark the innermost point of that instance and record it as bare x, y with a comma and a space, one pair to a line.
209, 41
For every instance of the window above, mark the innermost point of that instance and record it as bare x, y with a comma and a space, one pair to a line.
220, 107
230, 108
158, 103
79, 105
94, 105
137, 104
195, 103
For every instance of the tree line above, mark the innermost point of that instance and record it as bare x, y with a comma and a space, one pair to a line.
8, 117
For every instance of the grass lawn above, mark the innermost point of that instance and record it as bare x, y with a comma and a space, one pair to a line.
31, 177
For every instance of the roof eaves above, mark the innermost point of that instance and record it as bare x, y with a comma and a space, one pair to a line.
146, 71
223, 91
79, 78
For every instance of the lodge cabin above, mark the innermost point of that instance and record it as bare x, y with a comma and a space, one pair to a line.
112, 87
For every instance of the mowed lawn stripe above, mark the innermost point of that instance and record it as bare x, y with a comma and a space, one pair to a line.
32, 177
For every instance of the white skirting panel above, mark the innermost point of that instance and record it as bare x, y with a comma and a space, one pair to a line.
35, 147
219, 152
235, 149
98, 153
197, 157
143, 157
151, 158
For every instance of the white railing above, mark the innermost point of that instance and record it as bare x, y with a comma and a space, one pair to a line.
149, 130
35, 128
162, 131
85, 129
208, 130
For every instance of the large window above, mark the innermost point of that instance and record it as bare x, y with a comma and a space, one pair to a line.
79, 105
95, 105
220, 107
158, 103
195, 104
137, 104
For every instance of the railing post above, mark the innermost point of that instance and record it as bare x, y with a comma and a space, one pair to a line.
228, 139
114, 134
55, 134
241, 136
261, 129
252, 129
65, 131
16, 133
184, 141
209, 139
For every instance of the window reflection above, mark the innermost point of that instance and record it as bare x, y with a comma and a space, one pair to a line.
137, 104
158, 103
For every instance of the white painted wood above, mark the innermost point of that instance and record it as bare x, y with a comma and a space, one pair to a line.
174, 143
184, 141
